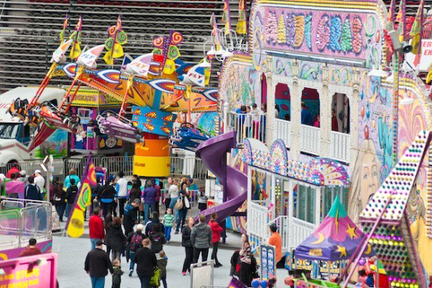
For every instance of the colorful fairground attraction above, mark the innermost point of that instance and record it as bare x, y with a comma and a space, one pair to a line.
291, 139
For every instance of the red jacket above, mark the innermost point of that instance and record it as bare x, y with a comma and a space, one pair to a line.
216, 230
13, 170
96, 227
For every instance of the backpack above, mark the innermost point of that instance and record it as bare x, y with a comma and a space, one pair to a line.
136, 242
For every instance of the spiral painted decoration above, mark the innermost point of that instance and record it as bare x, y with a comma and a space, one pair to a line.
121, 37
176, 38
158, 42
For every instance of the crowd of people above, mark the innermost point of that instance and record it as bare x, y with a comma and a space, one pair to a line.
126, 225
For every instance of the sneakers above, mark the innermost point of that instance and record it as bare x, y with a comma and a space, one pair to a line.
176, 232
217, 265
130, 272
184, 273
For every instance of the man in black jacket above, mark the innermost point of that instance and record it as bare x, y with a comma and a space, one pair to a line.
97, 264
146, 263
130, 215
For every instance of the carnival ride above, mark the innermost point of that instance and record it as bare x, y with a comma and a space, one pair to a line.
157, 85
213, 154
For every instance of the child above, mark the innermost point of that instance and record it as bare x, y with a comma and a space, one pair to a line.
202, 201
162, 261
116, 276
168, 221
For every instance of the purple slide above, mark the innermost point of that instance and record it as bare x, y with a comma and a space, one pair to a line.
213, 153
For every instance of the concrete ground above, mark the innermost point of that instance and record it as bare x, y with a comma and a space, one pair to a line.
72, 253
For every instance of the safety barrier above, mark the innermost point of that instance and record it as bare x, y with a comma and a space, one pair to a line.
282, 222
311, 139
257, 222
300, 230
21, 220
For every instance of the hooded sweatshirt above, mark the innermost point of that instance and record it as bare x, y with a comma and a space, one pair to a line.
201, 236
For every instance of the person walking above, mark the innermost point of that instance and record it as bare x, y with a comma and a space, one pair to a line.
201, 239
162, 261
186, 242
167, 198
158, 194
31, 249
246, 272
39, 179
174, 193
146, 263
95, 192
135, 243
96, 228
149, 196
116, 239
155, 220
202, 200
60, 201
135, 191
71, 193
168, 221
216, 231
97, 265
130, 215
276, 240
116, 276
157, 239
121, 192
32, 191
107, 227
185, 206
72, 175
106, 198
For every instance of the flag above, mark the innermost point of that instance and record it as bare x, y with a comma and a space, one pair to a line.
401, 19
62, 32
215, 32
116, 38
89, 57
241, 24
226, 17
75, 224
391, 17
76, 38
416, 30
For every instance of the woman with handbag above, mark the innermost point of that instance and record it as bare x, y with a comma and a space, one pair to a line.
186, 242
146, 264
182, 205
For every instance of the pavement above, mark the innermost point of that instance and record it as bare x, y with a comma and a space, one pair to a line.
72, 253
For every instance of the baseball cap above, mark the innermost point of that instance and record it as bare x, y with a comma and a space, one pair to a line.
23, 173
99, 243
38, 171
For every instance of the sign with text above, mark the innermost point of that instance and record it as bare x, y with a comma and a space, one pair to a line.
268, 264
33, 271
426, 56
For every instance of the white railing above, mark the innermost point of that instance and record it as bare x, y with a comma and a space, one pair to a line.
188, 166
300, 230
340, 145
311, 139
246, 126
283, 131
257, 221
282, 222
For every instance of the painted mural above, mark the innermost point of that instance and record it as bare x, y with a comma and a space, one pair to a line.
317, 32
240, 83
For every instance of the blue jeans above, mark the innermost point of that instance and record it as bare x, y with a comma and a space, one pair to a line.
132, 260
181, 218
163, 279
145, 281
146, 211
93, 242
69, 207
98, 282
168, 232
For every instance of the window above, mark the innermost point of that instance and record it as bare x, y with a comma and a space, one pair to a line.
328, 197
9, 130
305, 209
310, 107
283, 102
340, 113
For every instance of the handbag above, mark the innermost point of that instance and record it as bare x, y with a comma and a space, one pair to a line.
186, 202
179, 204
154, 280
